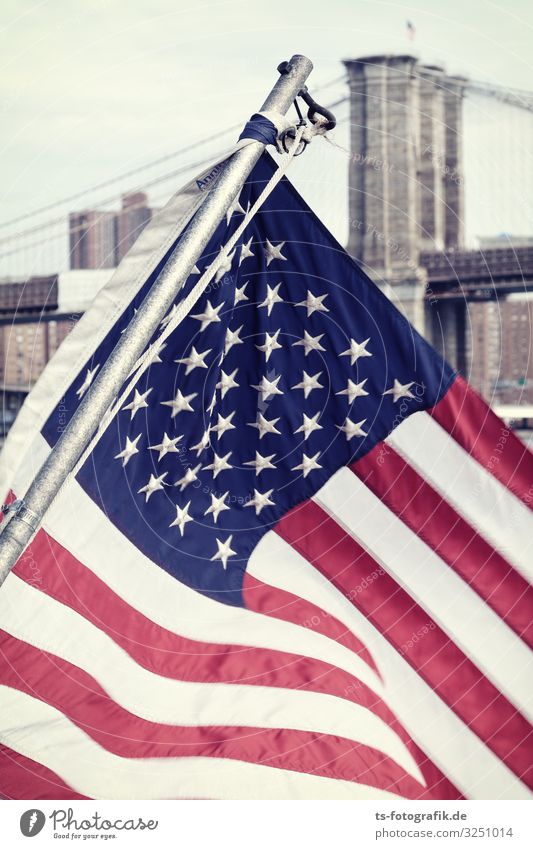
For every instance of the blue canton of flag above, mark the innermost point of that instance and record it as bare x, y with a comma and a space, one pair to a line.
291, 365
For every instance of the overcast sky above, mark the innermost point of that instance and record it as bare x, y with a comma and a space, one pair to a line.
91, 88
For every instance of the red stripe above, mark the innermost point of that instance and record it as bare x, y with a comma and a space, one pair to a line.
394, 613
22, 778
483, 435
52, 569
272, 601
79, 696
431, 518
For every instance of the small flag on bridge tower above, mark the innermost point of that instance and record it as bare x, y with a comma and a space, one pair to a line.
296, 563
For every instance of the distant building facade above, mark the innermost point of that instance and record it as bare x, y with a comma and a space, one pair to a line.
502, 350
92, 239
131, 221
35, 317
100, 239
26, 348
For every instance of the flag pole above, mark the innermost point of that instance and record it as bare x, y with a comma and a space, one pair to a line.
24, 520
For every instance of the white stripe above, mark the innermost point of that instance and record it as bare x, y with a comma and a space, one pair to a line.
474, 769
30, 615
276, 563
475, 494
78, 524
40, 732
470, 623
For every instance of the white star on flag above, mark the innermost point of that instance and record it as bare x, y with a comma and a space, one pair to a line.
308, 464
352, 429
219, 464
129, 450
235, 207
233, 338
169, 316
309, 382
353, 390
224, 551
399, 390
152, 353
240, 294
310, 424
313, 303
212, 405
272, 298
261, 462
260, 501
202, 444
138, 403
223, 424
194, 360
356, 350
217, 506
271, 344
273, 252
89, 377
166, 446
180, 403
210, 315
227, 382
310, 343
153, 485
268, 387
182, 517
245, 251
225, 264
265, 425
190, 476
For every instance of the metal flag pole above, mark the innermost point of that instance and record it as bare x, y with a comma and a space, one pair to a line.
24, 520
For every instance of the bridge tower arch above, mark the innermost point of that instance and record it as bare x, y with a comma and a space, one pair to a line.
406, 184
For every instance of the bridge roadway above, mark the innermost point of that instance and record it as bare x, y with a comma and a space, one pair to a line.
478, 275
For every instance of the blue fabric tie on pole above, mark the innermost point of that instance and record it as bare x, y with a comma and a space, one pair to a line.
260, 129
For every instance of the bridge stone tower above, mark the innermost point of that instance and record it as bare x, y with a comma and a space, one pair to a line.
405, 180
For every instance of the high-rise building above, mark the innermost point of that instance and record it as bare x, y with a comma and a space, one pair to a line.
92, 239
502, 350
100, 239
131, 221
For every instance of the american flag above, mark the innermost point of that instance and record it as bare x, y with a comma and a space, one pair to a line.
295, 565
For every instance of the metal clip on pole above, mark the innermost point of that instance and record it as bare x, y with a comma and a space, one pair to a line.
313, 111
